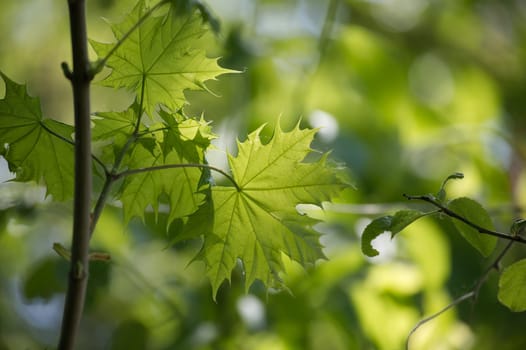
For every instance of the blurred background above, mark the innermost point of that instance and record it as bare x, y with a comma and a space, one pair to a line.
405, 92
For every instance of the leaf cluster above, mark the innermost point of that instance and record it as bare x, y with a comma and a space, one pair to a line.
152, 156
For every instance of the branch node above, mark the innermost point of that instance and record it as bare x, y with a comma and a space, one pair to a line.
95, 68
67, 72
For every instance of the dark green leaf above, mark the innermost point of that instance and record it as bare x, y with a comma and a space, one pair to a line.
474, 212
99, 279
394, 224
44, 280
512, 286
130, 335
373, 230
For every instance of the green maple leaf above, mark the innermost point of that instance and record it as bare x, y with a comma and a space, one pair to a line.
258, 222
114, 129
35, 148
183, 141
114, 125
159, 60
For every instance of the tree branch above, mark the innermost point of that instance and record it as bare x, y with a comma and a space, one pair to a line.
452, 214
79, 268
103, 196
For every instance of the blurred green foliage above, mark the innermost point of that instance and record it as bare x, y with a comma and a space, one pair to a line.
406, 92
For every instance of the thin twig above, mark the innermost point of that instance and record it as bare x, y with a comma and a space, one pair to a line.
494, 266
452, 214
71, 142
110, 176
472, 294
140, 113
309, 72
328, 26
135, 134
152, 131
436, 314
175, 166
101, 202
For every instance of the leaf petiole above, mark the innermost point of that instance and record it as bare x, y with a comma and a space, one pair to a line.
66, 254
175, 166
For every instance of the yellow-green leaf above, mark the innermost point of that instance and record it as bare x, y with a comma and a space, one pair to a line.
160, 59
182, 142
35, 148
258, 222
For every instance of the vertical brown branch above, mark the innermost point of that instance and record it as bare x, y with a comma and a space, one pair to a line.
80, 81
